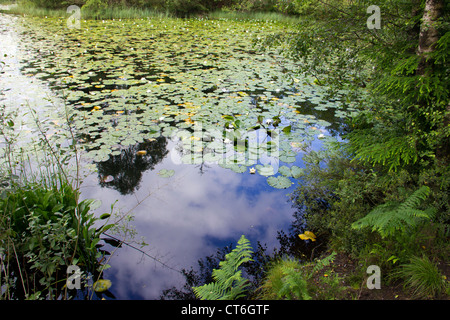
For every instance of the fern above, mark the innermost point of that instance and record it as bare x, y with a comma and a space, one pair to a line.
228, 281
391, 151
325, 262
391, 217
295, 285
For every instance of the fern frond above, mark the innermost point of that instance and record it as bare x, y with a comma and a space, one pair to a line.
325, 262
392, 151
294, 285
391, 217
228, 281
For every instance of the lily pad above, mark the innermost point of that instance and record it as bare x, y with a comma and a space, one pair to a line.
266, 170
102, 285
166, 173
279, 182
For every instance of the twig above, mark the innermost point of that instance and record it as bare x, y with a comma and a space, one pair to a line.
143, 252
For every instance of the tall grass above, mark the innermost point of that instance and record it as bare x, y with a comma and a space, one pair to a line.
123, 12
114, 12
422, 278
258, 15
44, 226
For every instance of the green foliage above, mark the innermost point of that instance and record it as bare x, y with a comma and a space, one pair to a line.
422, 278
392, 217
289, 279
44, 231
96, 6
228, 281
386, 150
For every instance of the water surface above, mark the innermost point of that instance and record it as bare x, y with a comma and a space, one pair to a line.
173, 117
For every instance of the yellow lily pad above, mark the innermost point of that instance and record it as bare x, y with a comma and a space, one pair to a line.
102, 285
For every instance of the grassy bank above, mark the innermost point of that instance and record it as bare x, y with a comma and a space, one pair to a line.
108, 13
123, 12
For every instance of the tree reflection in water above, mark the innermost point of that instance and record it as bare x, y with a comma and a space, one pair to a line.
123, 172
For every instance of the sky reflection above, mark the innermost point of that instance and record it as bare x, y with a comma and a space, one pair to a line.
186, 218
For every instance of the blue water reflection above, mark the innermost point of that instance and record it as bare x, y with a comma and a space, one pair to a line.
187, 217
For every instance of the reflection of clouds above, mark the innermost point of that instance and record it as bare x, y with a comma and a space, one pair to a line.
185, 216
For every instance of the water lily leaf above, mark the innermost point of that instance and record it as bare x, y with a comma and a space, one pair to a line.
285, 171
266, 170
166, 173
296, 171
238, 168
141, 153
102, 285
287, 159
279, 182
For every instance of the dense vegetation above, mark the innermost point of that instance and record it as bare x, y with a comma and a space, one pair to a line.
382, 195
178, 7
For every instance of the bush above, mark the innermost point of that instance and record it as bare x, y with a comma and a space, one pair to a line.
43, 231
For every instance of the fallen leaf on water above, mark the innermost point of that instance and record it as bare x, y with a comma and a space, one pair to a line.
308, 235
141, 153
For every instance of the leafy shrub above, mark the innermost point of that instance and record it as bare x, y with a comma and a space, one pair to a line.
285, 280
43, 231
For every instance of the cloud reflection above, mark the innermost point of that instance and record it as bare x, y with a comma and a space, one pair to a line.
187, 217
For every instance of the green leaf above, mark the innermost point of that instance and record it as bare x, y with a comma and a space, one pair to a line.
105, 216
266, 170
102, 285
296, 171
279, 182
287, 129
166, 173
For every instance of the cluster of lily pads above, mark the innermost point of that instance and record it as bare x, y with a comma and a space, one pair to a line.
132, 81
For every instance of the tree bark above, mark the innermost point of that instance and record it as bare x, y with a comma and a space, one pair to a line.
429, 34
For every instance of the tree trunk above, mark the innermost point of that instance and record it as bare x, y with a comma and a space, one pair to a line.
428, 37
429, 34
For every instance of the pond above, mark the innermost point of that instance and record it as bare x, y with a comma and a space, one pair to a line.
185, 123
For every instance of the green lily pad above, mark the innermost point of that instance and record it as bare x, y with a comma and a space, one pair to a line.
102, 285
266, 170
279, 182
166, 173
296, 171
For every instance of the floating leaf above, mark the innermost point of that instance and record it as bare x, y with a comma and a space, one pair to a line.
102, 285
307, 235
285, 171
166, 173
266, 170
296, 171
279, 182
